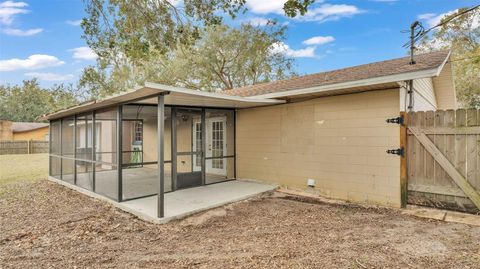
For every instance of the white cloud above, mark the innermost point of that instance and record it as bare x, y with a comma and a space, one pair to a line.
83, 53
265, 7
280, 47
50, 76
9, 9
320, 13
20, 32
319, 40
433, 19
426, 16
36, 61
258, 21
74, 22
328, 12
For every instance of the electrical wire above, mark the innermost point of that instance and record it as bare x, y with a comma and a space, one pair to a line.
450, 19
420, 34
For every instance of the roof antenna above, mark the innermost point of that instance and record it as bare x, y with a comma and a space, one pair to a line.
412, 41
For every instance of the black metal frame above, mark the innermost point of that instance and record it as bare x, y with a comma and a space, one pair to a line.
160, 152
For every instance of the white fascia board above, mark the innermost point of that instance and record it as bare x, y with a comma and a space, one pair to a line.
352, 84
211, 94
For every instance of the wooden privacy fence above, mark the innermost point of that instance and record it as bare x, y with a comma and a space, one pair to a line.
443, 159
23, 147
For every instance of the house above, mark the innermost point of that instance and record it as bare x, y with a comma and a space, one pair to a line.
16, 131
325, 132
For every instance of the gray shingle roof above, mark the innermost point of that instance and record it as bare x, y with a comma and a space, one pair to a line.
27, 126
397, 66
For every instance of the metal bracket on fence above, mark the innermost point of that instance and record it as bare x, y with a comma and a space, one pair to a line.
400, 151
397, 120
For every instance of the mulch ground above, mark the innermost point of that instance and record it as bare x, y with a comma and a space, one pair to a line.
43, 224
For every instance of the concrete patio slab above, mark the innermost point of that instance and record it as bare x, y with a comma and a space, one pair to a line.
181, 203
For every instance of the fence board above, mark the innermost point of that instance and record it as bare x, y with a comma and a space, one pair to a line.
429, 160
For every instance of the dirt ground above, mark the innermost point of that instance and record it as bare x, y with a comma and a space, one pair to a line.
43, 224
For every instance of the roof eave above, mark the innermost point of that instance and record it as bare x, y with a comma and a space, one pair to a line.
210, 94
357, 83
150, 90
33, 129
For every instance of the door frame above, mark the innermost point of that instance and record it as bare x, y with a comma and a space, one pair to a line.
209, 149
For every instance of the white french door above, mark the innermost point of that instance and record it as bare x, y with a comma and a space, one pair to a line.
216, 145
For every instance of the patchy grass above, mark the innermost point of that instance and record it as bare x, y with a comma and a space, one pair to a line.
23, 168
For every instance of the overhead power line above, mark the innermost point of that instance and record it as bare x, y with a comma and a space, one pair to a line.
423, 32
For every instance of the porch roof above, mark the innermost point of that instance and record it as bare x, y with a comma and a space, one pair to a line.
173, 96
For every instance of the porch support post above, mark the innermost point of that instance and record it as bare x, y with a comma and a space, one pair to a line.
50, 147
61, 149
160, 149
204, 146
119, 153
235, 144
93, 150
75, 149
174, 147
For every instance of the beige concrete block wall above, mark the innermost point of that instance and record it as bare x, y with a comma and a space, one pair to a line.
445, 88
339, 141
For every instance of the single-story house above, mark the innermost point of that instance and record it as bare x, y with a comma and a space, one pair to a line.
326, 132
16, 131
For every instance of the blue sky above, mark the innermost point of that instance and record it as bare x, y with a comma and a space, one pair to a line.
42, 38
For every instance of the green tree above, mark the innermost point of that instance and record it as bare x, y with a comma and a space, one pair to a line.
28, 101
223, 58
462, 36
140, 29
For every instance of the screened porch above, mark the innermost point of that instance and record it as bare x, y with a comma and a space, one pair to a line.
147, 142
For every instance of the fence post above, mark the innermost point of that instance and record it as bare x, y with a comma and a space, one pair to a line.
28, 146
403, 161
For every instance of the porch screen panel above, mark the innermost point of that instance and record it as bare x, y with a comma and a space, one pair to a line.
55, 160
139, 151
68, 150
167, 150
220, 145
84, 165
106, 175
